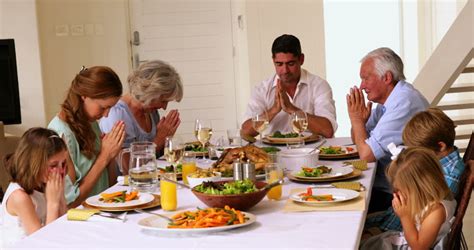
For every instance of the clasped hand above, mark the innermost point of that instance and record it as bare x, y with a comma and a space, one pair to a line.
357, 109
282, 101
112, 141
168, 125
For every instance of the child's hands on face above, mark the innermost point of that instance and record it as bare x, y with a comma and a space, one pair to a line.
400, 204
54, 190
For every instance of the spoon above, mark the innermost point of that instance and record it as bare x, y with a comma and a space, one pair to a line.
271, 185
156, 214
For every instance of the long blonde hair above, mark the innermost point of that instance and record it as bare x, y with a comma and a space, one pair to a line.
418, 173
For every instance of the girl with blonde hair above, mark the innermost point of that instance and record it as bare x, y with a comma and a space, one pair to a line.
421, 199
35, 195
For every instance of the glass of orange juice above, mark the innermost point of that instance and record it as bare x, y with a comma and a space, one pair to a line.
169, 199
189, 167
273, 173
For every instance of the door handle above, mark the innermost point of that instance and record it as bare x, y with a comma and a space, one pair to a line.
136, 38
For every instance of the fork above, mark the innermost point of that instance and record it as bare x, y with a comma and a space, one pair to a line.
318, 146
156, 214
113, 216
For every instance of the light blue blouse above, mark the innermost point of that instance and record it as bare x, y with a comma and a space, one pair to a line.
82, 164
386, 124
121, 112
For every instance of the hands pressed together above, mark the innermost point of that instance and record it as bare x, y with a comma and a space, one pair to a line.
358, 111
112, 141
168, 124
282, 101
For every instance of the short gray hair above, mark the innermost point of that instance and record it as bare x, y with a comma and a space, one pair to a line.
154, 79
385, 60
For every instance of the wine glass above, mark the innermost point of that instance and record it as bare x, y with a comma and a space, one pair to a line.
203, 132
260, 123
174, 150
299, 122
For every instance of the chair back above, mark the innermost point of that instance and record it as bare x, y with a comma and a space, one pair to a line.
4, 175
469, 154
455, 237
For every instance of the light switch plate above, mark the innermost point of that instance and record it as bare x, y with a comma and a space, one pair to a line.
62, 30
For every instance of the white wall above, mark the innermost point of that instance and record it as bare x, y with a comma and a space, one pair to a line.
352, 30
80, 32
266, 20
18, 21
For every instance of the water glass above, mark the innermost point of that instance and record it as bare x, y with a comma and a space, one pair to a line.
168, 196
233, 135
143, 174
273, 173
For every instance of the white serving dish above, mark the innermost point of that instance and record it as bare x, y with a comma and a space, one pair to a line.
295, 158
196, 181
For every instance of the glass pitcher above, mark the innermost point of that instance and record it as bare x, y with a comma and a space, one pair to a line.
134, 147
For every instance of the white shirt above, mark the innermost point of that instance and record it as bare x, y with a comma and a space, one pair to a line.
313, 95
11, 227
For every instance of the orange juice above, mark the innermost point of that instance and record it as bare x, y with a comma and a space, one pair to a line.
189, 167
169, 199
274, 175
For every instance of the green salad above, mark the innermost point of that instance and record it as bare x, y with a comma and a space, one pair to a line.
170, 168
278, 134
314, 172
195, 148
270, 149
235, 187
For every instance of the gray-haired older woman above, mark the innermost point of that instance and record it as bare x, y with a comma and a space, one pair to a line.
151, 86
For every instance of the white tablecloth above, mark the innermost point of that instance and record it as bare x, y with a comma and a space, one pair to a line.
273, 229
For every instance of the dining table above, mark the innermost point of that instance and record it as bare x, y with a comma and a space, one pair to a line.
273, 228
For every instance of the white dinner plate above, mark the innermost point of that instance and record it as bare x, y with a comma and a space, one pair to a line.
158, 224
143, 198
305, 136
335, 172
338, 194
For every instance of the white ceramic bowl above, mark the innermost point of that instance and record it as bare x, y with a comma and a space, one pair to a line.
196, 181
295, 158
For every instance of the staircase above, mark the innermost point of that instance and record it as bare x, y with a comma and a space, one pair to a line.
458, 103
447, 78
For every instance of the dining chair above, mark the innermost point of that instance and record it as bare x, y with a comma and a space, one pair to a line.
456, 239
469, 154
4, 175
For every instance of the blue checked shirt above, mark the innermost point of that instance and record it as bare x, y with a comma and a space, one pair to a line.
453, 167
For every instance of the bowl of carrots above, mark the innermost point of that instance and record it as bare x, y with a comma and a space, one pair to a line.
241, 195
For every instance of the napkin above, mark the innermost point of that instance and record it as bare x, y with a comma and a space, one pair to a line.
79, 214
357, 204
353, 185
358, 164
122, 180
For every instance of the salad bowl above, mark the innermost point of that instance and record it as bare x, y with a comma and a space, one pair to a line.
243, 201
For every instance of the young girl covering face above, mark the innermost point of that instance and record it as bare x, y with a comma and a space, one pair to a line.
421, 199
35, 197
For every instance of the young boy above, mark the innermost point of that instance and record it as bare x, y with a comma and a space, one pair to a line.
434, 130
